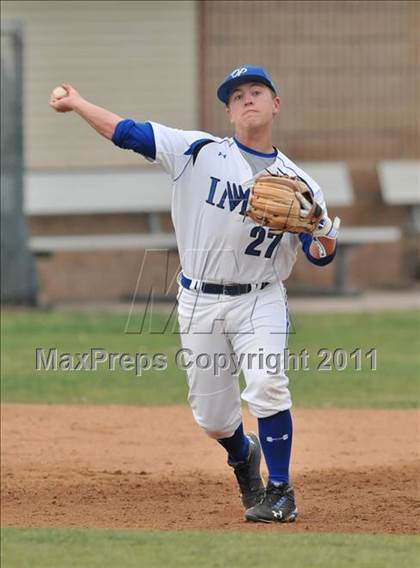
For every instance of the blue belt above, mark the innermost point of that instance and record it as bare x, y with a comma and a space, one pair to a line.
228, 289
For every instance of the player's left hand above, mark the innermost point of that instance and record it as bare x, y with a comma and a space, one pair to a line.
326, 227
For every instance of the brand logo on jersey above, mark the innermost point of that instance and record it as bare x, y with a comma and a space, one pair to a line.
238, 72
232, 196
221, 154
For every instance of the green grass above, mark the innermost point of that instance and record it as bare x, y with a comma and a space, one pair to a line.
45, 548
395, 383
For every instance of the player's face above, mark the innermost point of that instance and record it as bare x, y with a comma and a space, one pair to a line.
252, 105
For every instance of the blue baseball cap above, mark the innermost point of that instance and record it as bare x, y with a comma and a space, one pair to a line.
243, 74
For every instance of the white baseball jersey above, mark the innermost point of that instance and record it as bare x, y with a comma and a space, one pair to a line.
216, 241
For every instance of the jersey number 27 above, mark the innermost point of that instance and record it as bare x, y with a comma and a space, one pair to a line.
259, 234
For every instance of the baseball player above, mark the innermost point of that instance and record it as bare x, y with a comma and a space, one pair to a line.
232, 303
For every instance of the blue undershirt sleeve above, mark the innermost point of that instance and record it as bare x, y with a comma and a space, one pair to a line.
136, 136
306, 241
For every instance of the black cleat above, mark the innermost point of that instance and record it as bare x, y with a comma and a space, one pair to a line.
278, 504
248, 474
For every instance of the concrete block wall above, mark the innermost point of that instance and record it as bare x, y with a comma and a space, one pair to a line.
348, 73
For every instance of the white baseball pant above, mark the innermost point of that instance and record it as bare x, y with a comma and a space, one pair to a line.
221, 334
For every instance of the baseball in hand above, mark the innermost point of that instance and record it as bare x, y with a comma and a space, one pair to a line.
59, 93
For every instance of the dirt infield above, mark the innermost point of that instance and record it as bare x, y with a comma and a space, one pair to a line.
143, 467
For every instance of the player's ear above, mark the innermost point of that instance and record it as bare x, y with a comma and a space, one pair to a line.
276, 105
229, 113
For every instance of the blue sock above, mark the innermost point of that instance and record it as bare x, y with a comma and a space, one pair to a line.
237, 445
276, 442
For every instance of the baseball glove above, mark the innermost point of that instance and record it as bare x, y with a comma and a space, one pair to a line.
276, 202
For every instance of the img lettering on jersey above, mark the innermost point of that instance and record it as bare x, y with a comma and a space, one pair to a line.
233, 193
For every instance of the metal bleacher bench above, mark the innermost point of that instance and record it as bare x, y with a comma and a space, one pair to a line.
334, 178
149, 191
95, 193
400, 184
